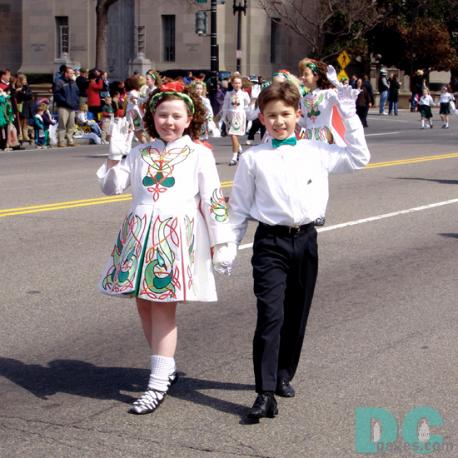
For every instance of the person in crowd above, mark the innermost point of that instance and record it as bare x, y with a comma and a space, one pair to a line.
256, 124
6, 116
445, 100
163, 253
363, 102
134, 108
425, 104
285, 252
95, 87
106, 86
82, 119
393, 94
107, 118
39, 127
83, 83
370, 90
152, 81
234, 114
383, 87
66, 97
200, 89
24, 99
417, 84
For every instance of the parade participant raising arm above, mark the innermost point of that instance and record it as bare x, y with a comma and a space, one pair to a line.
283, 184
162, 254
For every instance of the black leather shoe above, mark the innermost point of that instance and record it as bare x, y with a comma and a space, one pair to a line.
285, 389
265, 406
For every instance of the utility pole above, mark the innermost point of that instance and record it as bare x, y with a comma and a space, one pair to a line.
238, 8
214, 61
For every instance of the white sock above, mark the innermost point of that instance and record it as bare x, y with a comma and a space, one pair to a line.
422, 123
235, 156
161, 368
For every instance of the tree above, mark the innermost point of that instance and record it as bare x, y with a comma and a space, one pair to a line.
101, 40
326, 26
418, 34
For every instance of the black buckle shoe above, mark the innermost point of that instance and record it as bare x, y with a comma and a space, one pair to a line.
284, 389
265, 406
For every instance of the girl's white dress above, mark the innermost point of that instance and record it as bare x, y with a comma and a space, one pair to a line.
162, 251
316, 119
234, 106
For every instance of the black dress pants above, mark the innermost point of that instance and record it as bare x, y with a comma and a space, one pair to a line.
285, 267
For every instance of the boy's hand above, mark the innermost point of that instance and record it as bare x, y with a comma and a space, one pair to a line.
347, 100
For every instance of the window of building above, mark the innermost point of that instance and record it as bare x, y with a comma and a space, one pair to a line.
62, 35
168, 35
274, 39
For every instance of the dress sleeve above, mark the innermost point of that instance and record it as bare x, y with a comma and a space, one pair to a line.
242, 197
116, 179
212, 202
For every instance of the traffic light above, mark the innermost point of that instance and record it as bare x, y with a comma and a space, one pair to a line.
201, 23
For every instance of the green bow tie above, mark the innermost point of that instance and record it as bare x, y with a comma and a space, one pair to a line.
287, 141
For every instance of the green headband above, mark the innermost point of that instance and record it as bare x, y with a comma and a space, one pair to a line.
155, 99
312, 67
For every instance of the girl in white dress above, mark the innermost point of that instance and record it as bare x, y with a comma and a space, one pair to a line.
317, 105
234, 114
200, 89
162, 253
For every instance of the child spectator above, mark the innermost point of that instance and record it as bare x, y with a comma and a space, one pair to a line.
444, 107
425, 104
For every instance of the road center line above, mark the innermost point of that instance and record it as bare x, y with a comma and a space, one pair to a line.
224, 184
383, 133
374, 218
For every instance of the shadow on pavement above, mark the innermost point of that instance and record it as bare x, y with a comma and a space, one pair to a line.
449, 234
435, 180
85, 379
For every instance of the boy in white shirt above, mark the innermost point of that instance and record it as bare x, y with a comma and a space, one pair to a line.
283, 184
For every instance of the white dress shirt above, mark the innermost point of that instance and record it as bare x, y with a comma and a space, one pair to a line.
288, 186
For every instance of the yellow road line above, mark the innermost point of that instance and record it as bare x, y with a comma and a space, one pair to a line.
224, 184
412, 160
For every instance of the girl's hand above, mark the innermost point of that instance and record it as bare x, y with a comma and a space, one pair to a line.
347, 100
332, 77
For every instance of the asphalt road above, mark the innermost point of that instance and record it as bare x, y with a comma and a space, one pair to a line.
382, 330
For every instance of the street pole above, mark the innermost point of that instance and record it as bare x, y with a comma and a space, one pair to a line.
238, 8
214, 62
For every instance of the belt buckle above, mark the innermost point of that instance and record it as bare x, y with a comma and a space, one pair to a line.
293, 230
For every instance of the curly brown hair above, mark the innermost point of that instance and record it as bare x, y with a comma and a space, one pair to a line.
322, 82
198, 118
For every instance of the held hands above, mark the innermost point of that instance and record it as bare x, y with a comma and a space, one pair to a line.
224, 255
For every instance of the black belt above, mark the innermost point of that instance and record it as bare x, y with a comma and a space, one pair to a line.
286, 230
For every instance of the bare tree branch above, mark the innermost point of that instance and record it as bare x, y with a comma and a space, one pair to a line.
325, 22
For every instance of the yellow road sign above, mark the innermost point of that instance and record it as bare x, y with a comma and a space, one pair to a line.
342, 75
343, 59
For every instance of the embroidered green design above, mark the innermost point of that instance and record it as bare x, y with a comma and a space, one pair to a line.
218, 206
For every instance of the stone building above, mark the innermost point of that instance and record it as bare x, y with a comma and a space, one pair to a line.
43, 34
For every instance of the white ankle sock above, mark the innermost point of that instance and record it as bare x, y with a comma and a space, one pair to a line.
161, 368
235, 156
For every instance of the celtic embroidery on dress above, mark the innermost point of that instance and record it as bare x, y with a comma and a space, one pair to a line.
218, 206
161, 278
311, 103
159, 175
125, 255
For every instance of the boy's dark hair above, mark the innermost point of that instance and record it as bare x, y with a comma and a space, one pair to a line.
285, 91
198, 118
